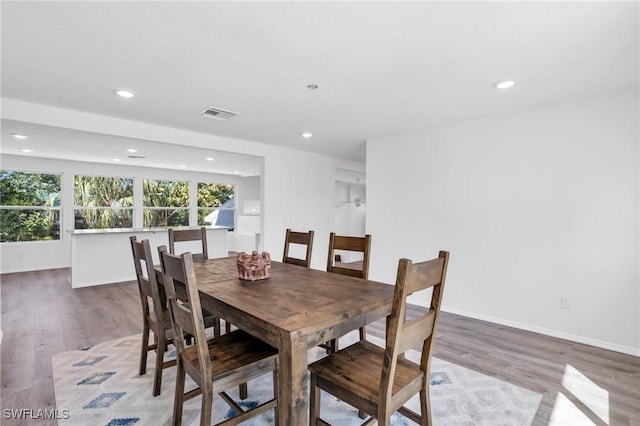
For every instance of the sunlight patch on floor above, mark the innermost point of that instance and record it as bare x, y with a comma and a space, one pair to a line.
589, 393
565, 413
594, 401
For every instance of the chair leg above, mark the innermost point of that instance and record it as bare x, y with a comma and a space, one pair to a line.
227, 326
275, 396
243, 390
363, 336
216, 327
425, 407
207, 401
314, 401
178, 400
157, 377
143, 351
330, 346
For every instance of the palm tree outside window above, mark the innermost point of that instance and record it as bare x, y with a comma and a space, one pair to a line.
102, 202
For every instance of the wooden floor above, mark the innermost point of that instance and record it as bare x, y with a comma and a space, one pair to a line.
42, 315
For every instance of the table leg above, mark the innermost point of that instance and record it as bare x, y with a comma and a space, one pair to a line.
292, 393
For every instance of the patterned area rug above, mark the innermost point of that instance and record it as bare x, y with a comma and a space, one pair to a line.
101, 386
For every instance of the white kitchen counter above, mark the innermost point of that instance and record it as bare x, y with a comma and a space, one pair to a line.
104, 256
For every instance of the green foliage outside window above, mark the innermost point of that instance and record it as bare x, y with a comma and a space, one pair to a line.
103, 202
214, 194
216, 198
166, 203
29, 206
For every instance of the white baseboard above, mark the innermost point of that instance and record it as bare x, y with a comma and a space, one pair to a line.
547, 332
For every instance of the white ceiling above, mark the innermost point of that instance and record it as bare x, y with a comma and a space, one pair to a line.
56, 142
382, 67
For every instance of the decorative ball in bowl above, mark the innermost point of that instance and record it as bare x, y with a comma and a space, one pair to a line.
254, 266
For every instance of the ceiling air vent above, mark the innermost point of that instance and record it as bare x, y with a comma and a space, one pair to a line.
218, 114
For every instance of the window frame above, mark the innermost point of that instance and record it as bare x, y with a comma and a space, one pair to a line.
54, 208
211, 209
186, 208
131, 209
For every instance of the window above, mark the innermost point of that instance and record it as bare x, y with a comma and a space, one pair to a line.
29, 206
216, 205
103, 202
166, 203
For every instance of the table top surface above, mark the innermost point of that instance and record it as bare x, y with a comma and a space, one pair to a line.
294, 298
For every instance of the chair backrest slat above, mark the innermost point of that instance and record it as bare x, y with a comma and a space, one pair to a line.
353, 244
416, 331
343, 242
145, 287
347, 271
301, 238
403, 335
147, 278
424, 275
185, 318
183, 235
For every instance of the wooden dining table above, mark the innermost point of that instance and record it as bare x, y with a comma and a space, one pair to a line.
294, 310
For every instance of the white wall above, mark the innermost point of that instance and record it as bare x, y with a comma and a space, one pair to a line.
248, 189
532, 205
298, 194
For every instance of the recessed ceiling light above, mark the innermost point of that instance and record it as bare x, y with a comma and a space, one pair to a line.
19, 136
504, 84
132, 150
183, 166
125, 93
26, 150
209, 158
306, 135
236, 172
116, 159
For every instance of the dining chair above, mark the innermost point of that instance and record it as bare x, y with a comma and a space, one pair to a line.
183, 235
155, 316
299, 239
216, 365
379, 381
210, 321
186, 235
359, 269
